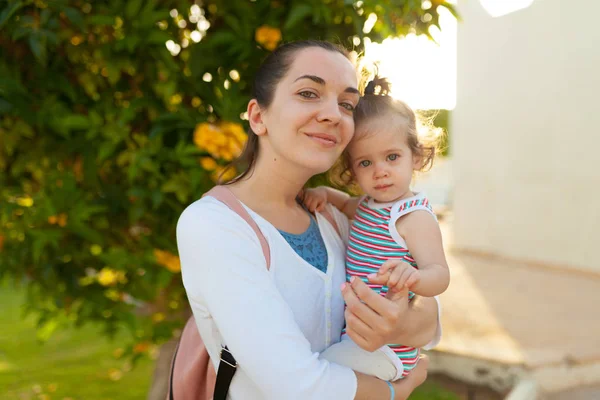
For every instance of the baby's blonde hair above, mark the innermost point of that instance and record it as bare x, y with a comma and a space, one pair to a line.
421, 136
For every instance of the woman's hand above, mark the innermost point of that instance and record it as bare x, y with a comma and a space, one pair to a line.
369, 387
373, 320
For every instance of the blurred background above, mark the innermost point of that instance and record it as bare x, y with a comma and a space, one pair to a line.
116, 115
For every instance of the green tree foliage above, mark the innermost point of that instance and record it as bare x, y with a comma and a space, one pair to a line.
114, 115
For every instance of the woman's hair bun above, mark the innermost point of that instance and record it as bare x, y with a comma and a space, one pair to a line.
378, 87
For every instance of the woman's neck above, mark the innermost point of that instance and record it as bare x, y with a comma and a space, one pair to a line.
272, 184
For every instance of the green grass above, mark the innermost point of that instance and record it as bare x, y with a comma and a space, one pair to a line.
432, 391
74, 364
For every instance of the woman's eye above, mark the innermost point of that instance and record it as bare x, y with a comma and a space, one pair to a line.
393, 157
307, 94
364, 163
347, 106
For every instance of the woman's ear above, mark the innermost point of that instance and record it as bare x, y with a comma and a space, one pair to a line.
255, 117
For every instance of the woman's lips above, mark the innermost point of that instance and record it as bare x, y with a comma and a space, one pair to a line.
323, 139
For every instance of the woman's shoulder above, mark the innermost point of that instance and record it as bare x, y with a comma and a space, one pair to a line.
209, 217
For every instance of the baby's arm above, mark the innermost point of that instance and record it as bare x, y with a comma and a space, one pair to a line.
315, 200
424, 240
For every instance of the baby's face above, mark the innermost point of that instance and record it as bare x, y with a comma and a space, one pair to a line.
382, 162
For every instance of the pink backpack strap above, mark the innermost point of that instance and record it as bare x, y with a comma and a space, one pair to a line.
226, 196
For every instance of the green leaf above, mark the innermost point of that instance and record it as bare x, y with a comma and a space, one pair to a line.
5, 106
44, 332
101, 20
157, 37
9, 11
75, 17
234, 24
75, 122
20, 32
38, 48
132, 8
298, 13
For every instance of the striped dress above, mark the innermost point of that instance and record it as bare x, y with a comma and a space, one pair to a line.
373, 240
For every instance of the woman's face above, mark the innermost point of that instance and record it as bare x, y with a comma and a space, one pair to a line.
310, 121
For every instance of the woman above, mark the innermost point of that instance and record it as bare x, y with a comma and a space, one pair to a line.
276, 321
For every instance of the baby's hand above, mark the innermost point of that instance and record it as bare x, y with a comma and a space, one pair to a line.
315, 199
396, 274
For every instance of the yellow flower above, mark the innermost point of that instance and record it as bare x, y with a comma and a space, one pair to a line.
117, 353
268, 37
158, 317
236, 130
224, 140
107, 277
228, 175
113, 294
168, 260
60, 219
121, 277
96, 249
141, 347
208, 163
176, 99
25, 201
115, 374
204, 134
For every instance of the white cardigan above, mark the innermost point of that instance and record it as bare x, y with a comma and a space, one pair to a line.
275, 322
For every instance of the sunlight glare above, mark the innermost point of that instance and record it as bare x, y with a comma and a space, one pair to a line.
422, 72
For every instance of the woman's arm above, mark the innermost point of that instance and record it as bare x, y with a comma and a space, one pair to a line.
373, 388
226, 279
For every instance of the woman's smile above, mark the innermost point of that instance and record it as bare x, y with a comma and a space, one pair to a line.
324, 139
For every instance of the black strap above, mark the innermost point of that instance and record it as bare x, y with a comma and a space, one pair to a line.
171, 397
227, 368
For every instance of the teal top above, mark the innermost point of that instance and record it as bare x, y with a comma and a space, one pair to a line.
309, 245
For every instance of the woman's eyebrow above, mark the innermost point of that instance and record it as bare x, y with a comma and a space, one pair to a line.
321, 81
313, 78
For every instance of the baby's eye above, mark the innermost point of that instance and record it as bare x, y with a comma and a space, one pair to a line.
393, 157
307, 94
364, 163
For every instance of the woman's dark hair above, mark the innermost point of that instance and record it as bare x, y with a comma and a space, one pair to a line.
269, 74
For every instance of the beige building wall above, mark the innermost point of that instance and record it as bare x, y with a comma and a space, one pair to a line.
526, 133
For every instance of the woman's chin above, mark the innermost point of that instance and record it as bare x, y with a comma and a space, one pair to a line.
320, 164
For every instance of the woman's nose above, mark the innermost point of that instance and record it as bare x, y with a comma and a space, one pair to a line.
330, 112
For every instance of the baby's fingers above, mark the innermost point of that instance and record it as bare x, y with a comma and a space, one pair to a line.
389, 265
310, 203
413, 279
379, 278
